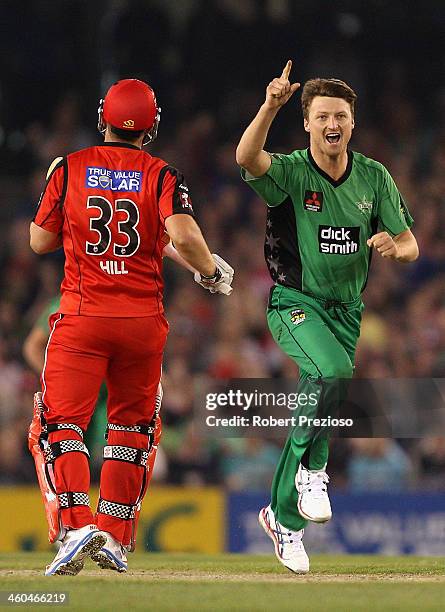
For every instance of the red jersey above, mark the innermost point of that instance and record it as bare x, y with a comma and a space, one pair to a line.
110, 203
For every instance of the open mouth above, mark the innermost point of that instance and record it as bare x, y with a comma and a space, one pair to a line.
333, 137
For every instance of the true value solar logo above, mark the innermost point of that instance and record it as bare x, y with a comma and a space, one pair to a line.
113, 180
338, 240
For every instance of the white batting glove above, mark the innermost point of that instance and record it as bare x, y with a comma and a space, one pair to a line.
221, 281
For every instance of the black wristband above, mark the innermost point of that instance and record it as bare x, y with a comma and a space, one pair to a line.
215, 277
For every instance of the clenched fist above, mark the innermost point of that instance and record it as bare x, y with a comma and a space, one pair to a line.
280, 90
384, 244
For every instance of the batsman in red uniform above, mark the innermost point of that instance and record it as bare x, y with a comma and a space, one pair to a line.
110, 207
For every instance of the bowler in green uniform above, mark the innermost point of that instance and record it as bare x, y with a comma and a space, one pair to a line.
328, 208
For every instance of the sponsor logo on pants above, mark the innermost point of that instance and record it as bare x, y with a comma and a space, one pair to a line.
297, 316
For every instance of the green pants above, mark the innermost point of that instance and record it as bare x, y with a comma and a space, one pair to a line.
321, 337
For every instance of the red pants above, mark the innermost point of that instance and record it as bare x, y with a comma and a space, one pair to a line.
82, 352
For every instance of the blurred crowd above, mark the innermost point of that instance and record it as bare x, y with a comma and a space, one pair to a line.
216, 337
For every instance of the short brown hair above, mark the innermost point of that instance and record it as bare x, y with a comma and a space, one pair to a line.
127, 135
331, 88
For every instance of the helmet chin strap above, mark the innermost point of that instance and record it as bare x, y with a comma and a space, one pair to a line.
151, 134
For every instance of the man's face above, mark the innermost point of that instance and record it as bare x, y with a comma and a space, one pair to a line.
330, 125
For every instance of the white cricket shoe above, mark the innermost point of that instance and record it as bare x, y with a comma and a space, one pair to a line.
313, 500
289, 548
112, 555
77, 545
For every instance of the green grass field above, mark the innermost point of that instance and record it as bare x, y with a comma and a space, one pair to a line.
159, 582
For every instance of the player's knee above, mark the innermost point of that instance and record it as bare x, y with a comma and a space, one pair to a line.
339, 369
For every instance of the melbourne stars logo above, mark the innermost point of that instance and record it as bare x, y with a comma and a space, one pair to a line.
364, 205
271, 252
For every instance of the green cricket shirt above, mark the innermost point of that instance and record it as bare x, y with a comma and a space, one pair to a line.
317, 227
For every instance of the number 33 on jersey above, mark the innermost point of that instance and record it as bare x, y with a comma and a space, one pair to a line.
110, 203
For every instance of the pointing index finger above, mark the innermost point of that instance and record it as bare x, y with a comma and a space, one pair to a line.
286, 70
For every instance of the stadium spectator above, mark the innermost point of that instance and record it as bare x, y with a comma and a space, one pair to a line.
378, 464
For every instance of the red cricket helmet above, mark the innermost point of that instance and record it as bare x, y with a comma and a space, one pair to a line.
130, 105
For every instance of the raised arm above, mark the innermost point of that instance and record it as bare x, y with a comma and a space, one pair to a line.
250, 152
